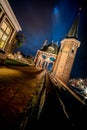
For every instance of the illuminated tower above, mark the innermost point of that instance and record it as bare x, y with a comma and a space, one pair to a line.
67, 53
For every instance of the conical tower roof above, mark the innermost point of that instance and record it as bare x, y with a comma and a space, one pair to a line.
73, 32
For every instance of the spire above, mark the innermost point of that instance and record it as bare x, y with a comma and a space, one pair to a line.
44, 44
73, 32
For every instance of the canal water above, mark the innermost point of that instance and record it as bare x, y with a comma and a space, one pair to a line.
53, 115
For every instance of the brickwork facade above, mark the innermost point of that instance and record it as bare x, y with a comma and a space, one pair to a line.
65, 59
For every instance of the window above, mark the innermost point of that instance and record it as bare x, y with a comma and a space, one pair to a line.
50, 49
52, 59
5, 32
73, 49
44, 57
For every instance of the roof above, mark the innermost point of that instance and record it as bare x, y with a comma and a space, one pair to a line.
51, 48
73, 32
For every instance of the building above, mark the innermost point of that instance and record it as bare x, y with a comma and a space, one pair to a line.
46, 56
18, 57
9, 27
64, 57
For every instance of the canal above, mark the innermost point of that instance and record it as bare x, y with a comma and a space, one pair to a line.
56, 107
61, 110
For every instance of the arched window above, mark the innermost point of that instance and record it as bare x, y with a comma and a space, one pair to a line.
50, 66
44, 57
52, 59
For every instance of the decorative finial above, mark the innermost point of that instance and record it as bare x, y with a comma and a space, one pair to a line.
45, 43
57, 42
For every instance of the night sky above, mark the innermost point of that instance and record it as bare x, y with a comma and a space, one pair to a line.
42, 20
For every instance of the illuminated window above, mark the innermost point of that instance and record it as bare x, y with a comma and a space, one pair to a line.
8, 30
4, 26
5, 32
1, 44
44, 57
4, 37
52, 58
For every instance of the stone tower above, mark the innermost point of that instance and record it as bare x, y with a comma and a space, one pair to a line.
67, 53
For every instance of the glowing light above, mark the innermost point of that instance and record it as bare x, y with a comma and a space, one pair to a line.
47, 59
55, 10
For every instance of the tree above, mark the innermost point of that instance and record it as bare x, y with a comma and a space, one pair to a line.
18, 41
20, 38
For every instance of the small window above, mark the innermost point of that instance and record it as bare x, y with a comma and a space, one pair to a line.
72, 51
4, 26
4, 37
8, 30
44, 57
52, 59
1, 44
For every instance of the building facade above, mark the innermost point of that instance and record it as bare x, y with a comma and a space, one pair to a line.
9, 27
65, 56
46, 56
